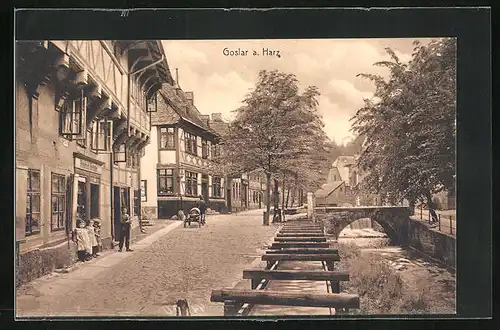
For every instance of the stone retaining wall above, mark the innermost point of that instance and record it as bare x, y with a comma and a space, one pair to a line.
433, 243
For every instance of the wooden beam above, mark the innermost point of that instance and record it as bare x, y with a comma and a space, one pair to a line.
265, 297
311, 275
300, 235
300, 239
304, 251
301, 257
282, 245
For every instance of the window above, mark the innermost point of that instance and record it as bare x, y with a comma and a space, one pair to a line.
33, 203
190, 143
167, 138
73, 118
165, 181
144, 190
101, 135
120, 154
153, 103
191, 183
215, 151
137, 202
216, 187
132, 159
204, 149
58, 202
83, 142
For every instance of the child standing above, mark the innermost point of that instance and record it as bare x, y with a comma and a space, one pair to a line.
92, 239
97, 230
82, 241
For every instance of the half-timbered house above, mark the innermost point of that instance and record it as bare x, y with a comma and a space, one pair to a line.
82, 124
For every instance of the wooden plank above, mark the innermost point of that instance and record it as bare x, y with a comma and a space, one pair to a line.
312, 275
300, 239
334, 300
300, 235
300, 231
304, 251
300, 257
282, 245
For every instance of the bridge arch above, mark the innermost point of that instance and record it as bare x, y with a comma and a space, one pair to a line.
393, 219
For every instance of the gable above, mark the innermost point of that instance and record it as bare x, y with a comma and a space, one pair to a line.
165, 114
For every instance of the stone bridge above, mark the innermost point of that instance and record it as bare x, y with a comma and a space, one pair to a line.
393, 219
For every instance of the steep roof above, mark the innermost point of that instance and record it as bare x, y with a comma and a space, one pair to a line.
328, 188
342, 161
182, 107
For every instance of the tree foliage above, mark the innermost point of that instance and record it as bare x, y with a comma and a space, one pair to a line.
279, 131
410, 130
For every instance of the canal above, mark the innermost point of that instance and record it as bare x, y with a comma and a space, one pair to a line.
427, 286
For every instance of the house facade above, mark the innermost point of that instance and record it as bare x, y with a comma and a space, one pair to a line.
176, 166
81, 128
332, 194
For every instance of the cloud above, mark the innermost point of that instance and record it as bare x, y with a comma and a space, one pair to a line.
221, 82
344, 92
336, 119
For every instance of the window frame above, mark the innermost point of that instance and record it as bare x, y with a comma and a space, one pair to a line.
190, 143
117, 151
61, 198
153, 99
144, 188
216, 185
165, 174
205, 149
191, 182
169, 132
71, 109
101, 133
29, 203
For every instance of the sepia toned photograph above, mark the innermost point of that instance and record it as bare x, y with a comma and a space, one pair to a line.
235, 178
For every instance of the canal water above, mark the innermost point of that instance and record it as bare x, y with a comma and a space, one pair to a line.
418, 272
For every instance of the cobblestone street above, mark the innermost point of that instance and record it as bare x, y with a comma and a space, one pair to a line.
185, 263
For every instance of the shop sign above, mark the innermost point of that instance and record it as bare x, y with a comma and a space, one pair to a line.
88, 166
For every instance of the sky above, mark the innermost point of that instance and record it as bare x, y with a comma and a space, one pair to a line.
220, 82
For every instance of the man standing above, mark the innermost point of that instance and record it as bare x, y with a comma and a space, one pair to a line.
203, 207
125, 230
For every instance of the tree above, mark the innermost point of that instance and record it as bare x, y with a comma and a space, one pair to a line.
277, 130
410, 131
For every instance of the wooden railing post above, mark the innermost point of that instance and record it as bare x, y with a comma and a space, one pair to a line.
451, 224
439, 221
230, 308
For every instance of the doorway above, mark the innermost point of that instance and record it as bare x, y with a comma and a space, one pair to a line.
228, 198
94, 201
81, 204
204, 187
204, 191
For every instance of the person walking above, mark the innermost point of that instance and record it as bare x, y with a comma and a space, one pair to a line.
202, 206
125, 230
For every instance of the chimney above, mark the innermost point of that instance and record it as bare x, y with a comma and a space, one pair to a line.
205, 119
217, 116
190, 97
